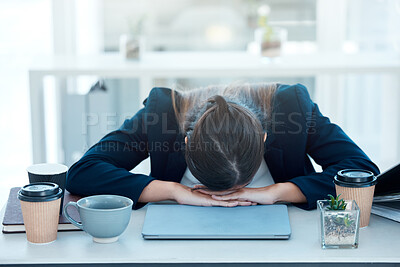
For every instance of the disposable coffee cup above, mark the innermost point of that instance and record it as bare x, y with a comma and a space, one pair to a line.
49, 172
40, 205
358, 185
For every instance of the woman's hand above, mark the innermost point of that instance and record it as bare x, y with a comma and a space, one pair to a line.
287, 192
186, 195
262, 195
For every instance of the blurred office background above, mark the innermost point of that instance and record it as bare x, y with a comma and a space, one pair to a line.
365, 105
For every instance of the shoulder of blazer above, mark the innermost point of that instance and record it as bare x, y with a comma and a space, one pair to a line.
159, 105
293, 98
159, 115
159, 99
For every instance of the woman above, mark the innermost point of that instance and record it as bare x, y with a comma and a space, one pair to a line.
221, 146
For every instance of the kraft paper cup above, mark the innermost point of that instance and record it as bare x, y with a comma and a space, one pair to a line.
358, 185
40, 205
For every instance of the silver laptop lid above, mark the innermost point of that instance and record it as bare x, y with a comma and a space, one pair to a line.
193, 222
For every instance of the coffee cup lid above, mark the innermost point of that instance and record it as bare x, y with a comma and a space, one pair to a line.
355, 178
40, 192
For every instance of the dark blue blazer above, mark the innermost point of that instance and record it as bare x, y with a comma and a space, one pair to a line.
297, 130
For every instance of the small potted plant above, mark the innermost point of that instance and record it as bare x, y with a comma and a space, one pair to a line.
340, 220
270, 39
131, 45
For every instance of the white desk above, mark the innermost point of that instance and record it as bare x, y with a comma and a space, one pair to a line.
190, 65
379, 243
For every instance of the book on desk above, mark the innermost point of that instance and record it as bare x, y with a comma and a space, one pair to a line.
13, 221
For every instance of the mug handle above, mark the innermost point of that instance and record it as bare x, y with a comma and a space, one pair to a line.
77, 224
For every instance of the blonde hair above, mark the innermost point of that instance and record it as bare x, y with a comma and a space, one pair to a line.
189, 105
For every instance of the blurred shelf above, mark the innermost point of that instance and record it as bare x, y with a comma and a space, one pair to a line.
212, 64
290, 23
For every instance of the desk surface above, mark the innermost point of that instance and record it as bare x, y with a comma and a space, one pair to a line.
379, 243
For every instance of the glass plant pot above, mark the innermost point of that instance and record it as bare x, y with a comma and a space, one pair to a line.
339, 228
131, 47
270, 40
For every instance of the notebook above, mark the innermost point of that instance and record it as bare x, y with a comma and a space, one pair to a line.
13, 221
387, 197
388, 186
389, 210
165, 221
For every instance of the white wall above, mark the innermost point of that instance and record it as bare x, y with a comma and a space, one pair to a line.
25, 34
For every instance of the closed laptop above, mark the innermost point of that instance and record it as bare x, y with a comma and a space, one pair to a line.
193, 222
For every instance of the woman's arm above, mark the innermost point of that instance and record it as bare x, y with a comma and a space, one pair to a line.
330, 148
288, 192
104, 169
158, 190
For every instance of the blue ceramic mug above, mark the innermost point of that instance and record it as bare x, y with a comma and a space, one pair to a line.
104, 217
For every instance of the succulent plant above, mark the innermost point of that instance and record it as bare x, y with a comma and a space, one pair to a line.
339, 204
343, 220
336, 203
347, 221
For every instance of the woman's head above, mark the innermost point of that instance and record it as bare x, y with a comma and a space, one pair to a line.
226, 145
224, 128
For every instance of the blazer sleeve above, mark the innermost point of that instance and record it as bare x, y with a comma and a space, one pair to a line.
105, 167
330, 147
